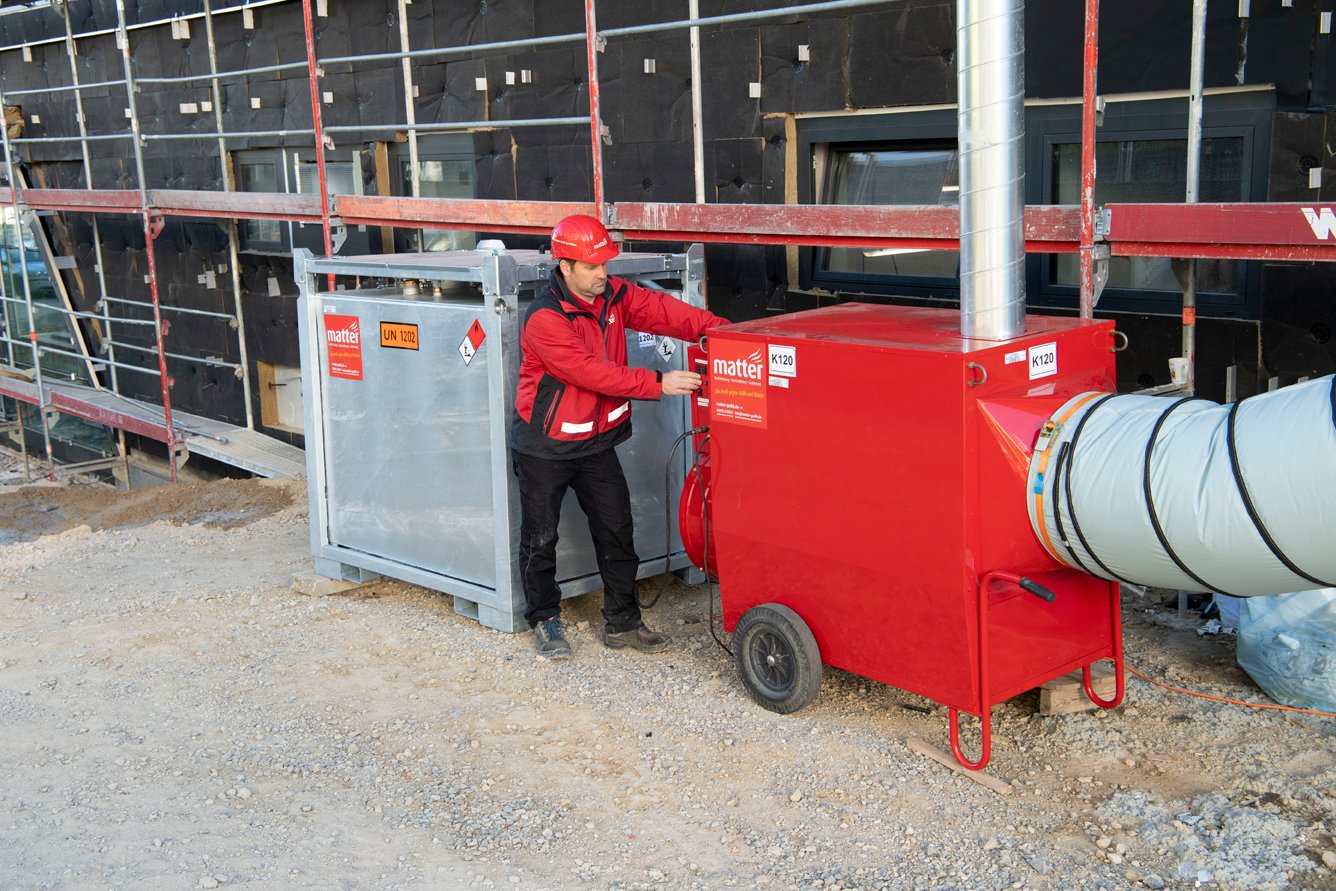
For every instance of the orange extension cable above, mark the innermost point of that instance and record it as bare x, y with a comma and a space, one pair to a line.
1284, 708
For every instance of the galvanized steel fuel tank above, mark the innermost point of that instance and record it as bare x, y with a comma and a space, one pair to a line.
408, 380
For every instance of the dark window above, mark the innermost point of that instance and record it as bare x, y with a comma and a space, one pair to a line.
1149, 170
887, 159
445, 170
342, 177
261, 172
1141, 155
27, 6
285, 170
921, 173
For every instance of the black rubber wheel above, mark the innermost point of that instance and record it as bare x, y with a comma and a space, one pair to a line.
777, 657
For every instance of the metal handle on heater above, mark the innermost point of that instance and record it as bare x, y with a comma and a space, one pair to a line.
981, 372
1037, 589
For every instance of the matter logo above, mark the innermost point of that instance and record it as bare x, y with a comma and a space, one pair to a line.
749, 368
347, 334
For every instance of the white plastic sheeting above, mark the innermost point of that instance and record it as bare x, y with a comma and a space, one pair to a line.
1288, 645
1187, 494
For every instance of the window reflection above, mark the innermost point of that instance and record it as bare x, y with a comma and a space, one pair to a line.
1135, 171
922, 174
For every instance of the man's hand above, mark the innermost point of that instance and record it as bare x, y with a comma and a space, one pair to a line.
680, 383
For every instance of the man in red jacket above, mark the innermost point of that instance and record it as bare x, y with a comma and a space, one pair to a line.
573, 406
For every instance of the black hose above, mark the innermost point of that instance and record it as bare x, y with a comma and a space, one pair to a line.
705, 558
1067, 487
668, 515
1231, 432
1333, 401
1064, 452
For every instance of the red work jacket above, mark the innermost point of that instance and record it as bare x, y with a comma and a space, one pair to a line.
575, 388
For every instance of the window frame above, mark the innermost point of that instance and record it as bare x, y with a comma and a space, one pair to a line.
434, 147
310, 235
249, 244
818, 138
1248, 115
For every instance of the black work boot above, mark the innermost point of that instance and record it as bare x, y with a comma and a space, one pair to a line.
641, 638
550, 640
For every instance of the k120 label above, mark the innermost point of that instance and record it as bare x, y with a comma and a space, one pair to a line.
1043, 360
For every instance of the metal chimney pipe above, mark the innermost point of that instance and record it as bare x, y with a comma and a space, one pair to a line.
990, 70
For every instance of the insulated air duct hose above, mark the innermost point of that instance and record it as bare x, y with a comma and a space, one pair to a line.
1187, 494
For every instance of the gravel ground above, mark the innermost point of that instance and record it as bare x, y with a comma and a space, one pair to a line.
177, 716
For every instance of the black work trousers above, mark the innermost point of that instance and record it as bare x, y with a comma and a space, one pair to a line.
600, 487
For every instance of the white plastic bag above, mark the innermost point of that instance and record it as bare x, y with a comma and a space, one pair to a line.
1287, 643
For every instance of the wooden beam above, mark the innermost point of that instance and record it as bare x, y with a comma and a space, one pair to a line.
1066, 694
383, 189
987, 780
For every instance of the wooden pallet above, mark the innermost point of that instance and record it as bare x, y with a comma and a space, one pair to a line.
1065, 695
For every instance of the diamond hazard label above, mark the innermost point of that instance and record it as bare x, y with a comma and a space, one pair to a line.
472, 342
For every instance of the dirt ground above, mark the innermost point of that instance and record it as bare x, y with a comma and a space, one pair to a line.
177, 716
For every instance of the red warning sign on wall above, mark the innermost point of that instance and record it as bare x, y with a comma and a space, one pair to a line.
343, 342
737, 382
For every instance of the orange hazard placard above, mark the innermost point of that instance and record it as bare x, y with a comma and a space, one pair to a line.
398, 335
737, 382
343, 343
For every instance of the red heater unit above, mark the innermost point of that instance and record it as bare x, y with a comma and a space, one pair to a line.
861, 498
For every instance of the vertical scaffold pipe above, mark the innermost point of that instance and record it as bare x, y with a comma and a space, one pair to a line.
1186, 494
990, 66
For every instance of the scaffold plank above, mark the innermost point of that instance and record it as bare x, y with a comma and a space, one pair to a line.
241, 447
99, 412
18, 384
1247, 231
1055, 228
251, 451
1200, 250
79, 200
532, 217
236, 205
1243, 230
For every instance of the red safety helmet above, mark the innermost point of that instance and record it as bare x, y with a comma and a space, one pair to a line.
582, 238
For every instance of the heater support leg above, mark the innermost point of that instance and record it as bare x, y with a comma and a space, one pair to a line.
986, 728
1116, 629
985, 707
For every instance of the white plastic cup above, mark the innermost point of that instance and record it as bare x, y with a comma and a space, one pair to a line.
1178, 370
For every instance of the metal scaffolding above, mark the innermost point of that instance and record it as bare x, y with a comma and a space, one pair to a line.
1274, 231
